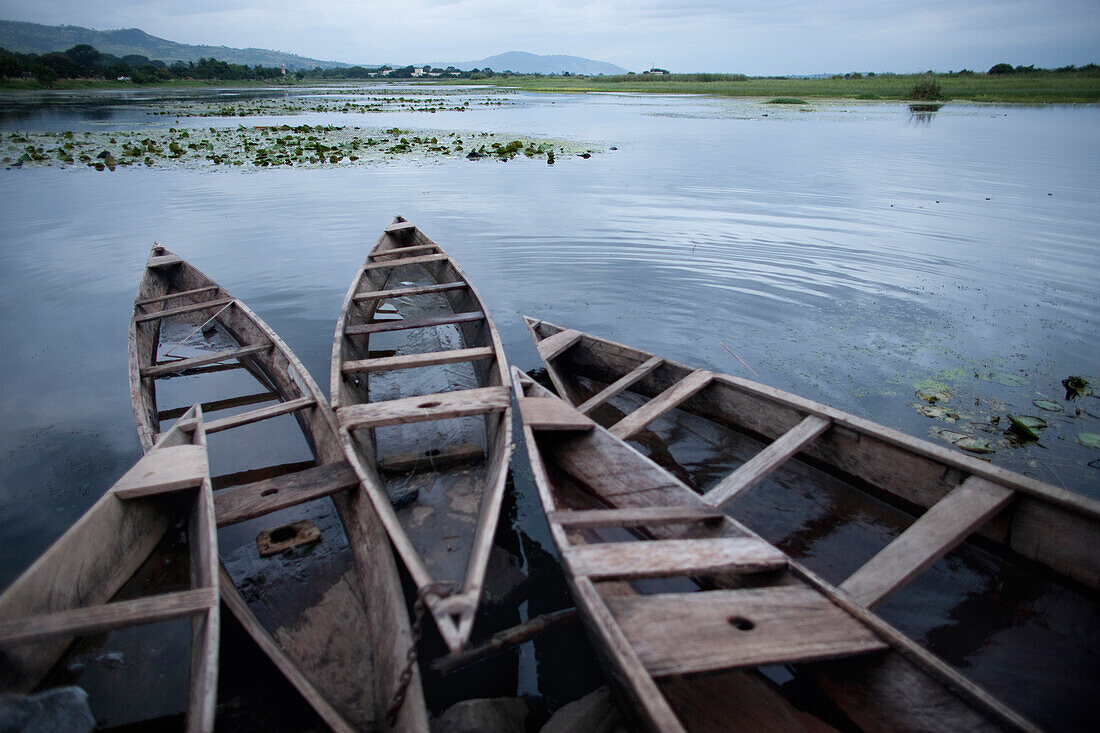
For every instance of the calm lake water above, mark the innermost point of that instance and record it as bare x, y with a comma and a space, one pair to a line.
849, 252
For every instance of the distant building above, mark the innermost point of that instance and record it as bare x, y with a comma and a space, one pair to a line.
658, 72
284, 69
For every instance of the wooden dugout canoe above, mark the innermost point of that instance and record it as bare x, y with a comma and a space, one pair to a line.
345, 659
951, 497
686, 605
441, 363
67, 593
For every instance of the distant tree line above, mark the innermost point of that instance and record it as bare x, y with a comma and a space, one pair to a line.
85, 62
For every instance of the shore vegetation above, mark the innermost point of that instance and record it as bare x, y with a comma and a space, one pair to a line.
85, 67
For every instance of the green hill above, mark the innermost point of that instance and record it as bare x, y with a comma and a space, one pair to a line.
35, 38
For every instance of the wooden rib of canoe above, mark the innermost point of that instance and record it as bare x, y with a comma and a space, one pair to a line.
685, 604
412, 293
374, 624
67, 593
956, 498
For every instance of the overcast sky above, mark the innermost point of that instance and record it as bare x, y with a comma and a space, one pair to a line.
758, 37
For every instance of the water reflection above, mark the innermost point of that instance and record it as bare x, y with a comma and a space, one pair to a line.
922, 114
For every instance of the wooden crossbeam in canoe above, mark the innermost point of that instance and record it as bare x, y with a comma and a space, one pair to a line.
180, 310
939, 530
403, 250
263, 497
439, 406
766, 461
170, 468
431, 459
252, 475
263, 413
163, 260
180, 294
409, 323
648, 516
171, 367
552, 347
673, 558
409, 291
108, 616
412, 361
551, 413
400, 227
216, 405
419, 260
619, 385
662, 403
684, 633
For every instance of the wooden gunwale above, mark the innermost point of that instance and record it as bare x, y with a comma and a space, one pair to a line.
941, 695
279, 371
65, 593
1053, 527
454, 615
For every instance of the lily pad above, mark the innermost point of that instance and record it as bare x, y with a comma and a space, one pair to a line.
1008, 379
1049, 405
936, 412
932, 395
964, 441
1024, 427
1089, 440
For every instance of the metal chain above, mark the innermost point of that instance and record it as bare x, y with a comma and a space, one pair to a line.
441, 589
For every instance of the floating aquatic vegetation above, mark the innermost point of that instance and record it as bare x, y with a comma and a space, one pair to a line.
1089, 440
932, 395
262, 146
1025, 427
1076, 387
1048, 405
935, 411
962, 440
1008, 379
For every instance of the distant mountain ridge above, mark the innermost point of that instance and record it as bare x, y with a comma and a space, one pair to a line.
36, 38
522, 62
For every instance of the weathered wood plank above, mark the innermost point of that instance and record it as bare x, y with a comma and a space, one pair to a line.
108, 616
263, 413
662, 403
937, 532
503, 640
163, 260
437, 406
409, 291
673, 558
251, 475
768, 460
401, 227
179, 294
408, 323
263, 497
412, 361
420, 260
180, 310
620, 384
683, 633
403, 250
216, 405
431, 460
640, 689
649, 516
552, 347
171, 367
165, 469
550, 413
279, 658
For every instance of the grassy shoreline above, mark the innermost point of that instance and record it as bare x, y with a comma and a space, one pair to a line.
1040, 87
